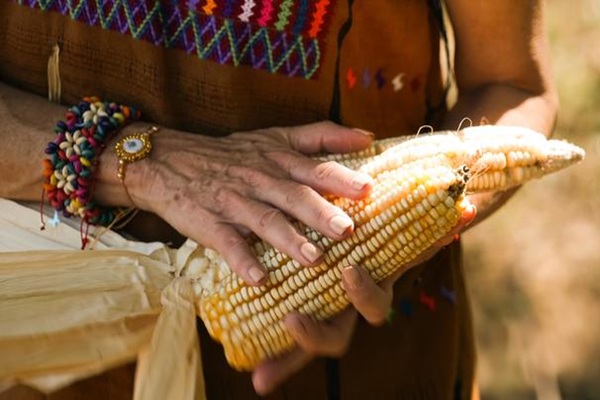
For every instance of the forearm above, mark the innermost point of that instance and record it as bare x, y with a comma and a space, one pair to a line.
503, 105
26, 128
503, 72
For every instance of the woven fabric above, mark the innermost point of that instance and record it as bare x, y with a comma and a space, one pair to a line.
278, 36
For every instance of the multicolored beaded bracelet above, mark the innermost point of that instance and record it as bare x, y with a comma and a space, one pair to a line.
73, 157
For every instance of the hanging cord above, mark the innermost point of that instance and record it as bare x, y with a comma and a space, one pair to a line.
54, 86
439, 13
439, 16
54, 93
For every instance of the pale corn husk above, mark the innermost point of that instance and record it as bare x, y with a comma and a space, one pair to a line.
68, 314
176, 324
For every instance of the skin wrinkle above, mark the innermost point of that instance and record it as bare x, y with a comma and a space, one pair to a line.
256, 179
298, 195
324, 170
269, 217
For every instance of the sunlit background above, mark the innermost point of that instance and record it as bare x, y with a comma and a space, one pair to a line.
534, 267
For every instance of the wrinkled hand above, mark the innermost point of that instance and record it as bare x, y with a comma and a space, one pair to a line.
219, 190
332, 338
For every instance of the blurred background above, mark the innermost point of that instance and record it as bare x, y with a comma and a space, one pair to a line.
534, 267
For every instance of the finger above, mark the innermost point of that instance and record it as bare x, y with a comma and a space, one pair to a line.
272, 225
322, 338
204, 227
325, 177
468, 215
327, 137
236, 252
297, 200
307, 206
331, 177
271, 373
369, 299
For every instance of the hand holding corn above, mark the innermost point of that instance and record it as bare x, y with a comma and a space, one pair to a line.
331, 338
418, 198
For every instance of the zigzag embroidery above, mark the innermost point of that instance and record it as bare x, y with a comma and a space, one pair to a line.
211, 31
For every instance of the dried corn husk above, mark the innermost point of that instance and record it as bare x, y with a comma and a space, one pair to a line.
176, 324
68, 314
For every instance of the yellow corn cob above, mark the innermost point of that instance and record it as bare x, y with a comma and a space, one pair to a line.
418, 197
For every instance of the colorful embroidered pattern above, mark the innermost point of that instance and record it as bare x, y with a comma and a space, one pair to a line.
280, 36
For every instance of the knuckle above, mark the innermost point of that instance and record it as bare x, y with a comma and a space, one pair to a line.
297, 195
181, 202
378, 318
233, 241
339, 347
223, 240
327, 124
269, 217
252, 177
374, 307
311, 348
224, 199
325, 170
240, 268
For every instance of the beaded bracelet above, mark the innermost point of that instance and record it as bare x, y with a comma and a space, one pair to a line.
73, 157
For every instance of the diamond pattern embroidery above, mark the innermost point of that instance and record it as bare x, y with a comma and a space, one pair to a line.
280, 36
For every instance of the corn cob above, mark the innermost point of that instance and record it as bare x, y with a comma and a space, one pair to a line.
418, 197
499, 157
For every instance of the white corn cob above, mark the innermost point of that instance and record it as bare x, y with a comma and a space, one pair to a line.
418, 197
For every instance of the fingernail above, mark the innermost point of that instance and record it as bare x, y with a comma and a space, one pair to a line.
257, 274
340, 224
352, 277
360, 181
364, 132
311, 252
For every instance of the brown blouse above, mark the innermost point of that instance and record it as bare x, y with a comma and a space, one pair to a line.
218, 66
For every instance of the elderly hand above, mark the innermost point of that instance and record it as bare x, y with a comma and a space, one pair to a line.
332, 338
217, 191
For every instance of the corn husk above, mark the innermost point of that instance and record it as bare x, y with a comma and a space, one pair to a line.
68, 314
176, 324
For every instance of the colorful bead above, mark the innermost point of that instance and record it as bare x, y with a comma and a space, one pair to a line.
73, 157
